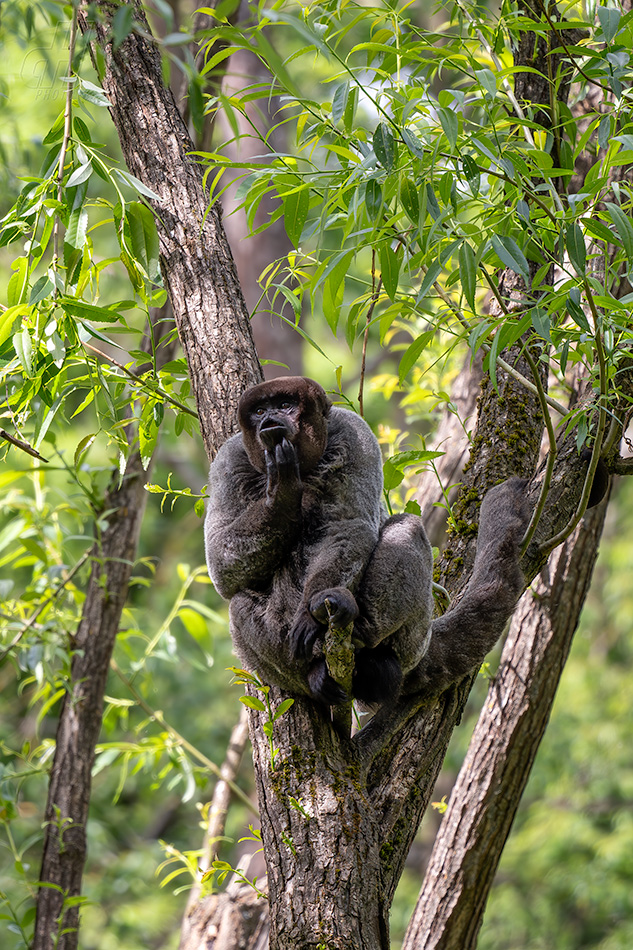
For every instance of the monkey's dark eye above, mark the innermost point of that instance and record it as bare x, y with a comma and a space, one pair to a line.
260, 411
286, 405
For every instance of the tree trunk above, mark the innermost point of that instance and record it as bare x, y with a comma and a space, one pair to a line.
66, 816
502, 750
196, 261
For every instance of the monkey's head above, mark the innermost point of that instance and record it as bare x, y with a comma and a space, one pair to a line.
290, 407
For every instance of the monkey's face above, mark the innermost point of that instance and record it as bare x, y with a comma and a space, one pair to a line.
292, 408
275, 419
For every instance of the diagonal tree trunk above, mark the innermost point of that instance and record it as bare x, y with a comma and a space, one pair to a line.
503, 747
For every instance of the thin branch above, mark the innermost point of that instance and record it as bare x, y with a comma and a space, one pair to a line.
23, 446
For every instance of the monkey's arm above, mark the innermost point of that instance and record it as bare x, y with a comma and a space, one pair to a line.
462, 637
350, 520
248, 530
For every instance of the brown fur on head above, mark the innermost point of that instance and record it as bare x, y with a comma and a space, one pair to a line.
307, 426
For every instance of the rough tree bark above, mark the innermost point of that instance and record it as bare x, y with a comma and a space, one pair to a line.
503, 747
66, 815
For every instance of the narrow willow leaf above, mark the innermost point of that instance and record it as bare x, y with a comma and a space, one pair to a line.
487, 81
468, 273
472, 173
143, 238
410, 200
540, 322
450, 125
623, 226
604, 131
385, 146
8, 320
77, 227
575, 241
390, 269
350, 109
510, 254
413, 143
339, 101
24, 348
18, 281
430, 277
412, 353
373, 198
296, 207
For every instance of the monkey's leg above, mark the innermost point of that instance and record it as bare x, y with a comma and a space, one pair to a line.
395, 604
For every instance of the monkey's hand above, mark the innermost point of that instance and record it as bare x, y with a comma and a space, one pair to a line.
336, 605
282, 473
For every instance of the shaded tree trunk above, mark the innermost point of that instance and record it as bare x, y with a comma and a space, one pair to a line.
503, 747
66, 815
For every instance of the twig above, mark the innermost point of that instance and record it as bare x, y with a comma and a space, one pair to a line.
24, 446
374, 298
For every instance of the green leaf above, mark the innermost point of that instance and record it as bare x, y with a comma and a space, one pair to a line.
574, 309
24, 349
510, 254
253, 703
373, 198
296, 207
93, 94
89, 311
392, 476
83, 447
143, 237
385, 146
8, 320
430, 277
135, 183
472, 173
122, 24
339, 101
576, 249
487, 81
282, 708
42, 288
77, 228
18, 281
623, 226
350, 109
540, 322
609, 21
412, 353
80, 175
450, 125
410, 200
390, 269
468, 273
413, 143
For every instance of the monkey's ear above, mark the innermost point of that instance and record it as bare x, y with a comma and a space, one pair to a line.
318, 394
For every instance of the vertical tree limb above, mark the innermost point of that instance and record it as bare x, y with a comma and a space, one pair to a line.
502, 750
